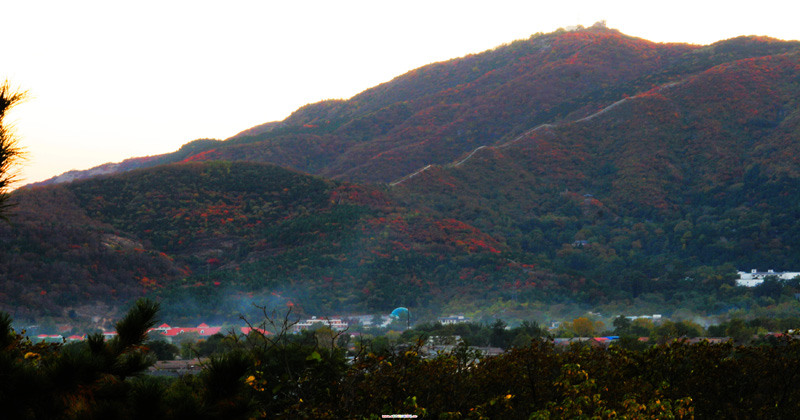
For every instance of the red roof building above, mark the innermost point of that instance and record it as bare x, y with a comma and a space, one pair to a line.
207, 331
52, 338
248, 330
203, 330
175, 331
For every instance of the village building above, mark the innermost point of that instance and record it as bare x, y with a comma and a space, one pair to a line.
203, 331
453, 319
164, 330
655, 317
248, 330
50, 338
381, 321
754, 277
335, 324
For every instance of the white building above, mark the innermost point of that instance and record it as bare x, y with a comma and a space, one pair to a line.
453, 319
755, 277
335, 324
654, 317
381, 321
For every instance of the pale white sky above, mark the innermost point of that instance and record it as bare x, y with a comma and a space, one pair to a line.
113, 80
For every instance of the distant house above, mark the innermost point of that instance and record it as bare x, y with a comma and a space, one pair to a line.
248, 330
202, 330
489, 351
163, 328
710, 340
370, 320
443, 340
655, 317
453, 319
174, 332
50, 338
755, 277
566, 342
601, 342
335, 324
205, 331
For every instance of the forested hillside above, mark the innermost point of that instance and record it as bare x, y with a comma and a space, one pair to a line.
699, 174
210, 234
585, 168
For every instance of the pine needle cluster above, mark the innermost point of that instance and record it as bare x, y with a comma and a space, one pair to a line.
10, 152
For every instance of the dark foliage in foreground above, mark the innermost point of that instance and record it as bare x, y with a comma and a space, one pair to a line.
307, 376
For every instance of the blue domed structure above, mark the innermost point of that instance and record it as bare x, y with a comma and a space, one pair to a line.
399, 311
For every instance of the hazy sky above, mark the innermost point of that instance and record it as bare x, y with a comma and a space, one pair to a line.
112, 80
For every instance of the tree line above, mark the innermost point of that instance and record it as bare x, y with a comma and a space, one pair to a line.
307, 375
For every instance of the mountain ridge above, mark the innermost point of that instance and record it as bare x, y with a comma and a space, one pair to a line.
449, 74
584, 168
